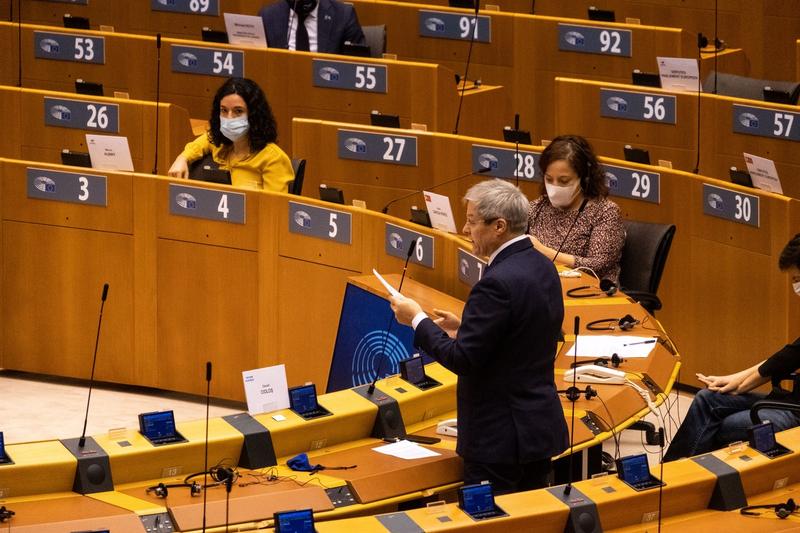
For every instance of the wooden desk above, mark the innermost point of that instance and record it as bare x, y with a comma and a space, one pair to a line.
580, 106
29, 136
417, 92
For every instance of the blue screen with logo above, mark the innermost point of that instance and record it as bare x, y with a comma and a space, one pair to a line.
294, 522
763, 437
303, 399
361, 341
477, 498
635, 469
158, 425
2, 447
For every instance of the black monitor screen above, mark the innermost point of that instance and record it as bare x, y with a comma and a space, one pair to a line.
634, 469
476, 498
763, 437
157, 425
294, 521
2, 447
303, 399
414, 370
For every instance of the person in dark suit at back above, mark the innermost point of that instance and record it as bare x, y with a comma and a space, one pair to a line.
510, 420
311, 25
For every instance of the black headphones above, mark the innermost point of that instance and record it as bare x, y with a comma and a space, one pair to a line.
615, 361
220, 475
607, 287
625, 323
6, 514
574, 393
162, 489
782, 510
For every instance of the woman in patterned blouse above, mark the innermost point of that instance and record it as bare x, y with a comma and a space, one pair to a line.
573, 222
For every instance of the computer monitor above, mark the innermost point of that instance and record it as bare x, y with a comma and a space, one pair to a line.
413, 370
331, 194
303, 399
88, 87
2, 448
159, 427
301, 521
511, 135
464, 4
478, 501
777, 96
420, 216
636, 155
385, 121
741, 177
601, 15
77, 23
76, 159
355, 50
634, 469
645, 79
214, 36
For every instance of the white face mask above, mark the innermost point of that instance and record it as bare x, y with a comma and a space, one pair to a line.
796, 287
234, 128
562, 196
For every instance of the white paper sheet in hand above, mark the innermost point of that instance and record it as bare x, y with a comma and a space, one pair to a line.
406, 450
385, 283
607, 345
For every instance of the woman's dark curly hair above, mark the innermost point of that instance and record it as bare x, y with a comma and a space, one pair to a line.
263, 129
576, 151
790, 256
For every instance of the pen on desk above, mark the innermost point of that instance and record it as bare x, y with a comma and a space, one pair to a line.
651, 341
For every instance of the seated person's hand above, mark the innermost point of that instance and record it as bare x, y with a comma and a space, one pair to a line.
179, 168
405, 309
722, 384
447, 321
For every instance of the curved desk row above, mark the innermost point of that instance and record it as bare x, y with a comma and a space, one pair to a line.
613, 115
42, 123
714, 255
296, 84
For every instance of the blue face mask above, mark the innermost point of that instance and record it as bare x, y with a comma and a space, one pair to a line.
234, 128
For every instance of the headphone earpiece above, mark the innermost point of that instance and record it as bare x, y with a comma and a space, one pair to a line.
782, 510
6, 514
626, 323
160, 490
607, 287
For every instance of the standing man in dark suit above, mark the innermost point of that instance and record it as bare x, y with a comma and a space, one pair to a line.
311, 25
510, 420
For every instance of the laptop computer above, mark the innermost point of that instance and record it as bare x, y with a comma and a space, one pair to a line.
301, 521
478, 501
762, 438
303, 401
413, 371
635, 472
159, 428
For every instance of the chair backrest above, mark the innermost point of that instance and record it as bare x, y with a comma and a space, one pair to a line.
375, 38
644, 255
750, 88
296, 185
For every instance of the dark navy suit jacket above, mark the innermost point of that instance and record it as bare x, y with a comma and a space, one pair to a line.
336, 23
503, 354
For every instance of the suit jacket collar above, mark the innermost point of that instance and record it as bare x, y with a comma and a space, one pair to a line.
325, 16
510, 250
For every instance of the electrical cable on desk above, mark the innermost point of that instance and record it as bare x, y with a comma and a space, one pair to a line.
612, 426
271, 477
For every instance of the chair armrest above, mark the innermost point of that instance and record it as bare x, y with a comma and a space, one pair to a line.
649, 301
771, 404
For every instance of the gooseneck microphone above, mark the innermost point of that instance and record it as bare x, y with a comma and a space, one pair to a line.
82, 440
580, 210
205, 452
702, 42
473, 30
418, 191
574, 398
382, 353
516, 148
158, 98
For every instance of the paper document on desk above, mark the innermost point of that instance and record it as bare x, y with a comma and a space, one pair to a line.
406, 450
385, 283
625, 346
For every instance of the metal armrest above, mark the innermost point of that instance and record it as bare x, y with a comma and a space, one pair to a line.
771, 404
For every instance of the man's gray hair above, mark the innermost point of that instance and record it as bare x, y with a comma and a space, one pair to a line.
497, 198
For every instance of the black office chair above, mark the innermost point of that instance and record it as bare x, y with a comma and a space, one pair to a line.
296, 185
776, 402
375, 38
644, 256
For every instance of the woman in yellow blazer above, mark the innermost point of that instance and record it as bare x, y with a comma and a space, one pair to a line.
241, 139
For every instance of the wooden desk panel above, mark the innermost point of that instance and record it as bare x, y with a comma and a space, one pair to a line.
72, 513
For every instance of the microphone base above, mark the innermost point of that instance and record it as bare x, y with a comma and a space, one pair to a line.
257, 448
583, 517
93, 472
389, 420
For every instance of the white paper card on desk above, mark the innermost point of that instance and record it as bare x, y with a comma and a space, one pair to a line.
385, 283
763, 173
625, 346
245, 29
679, 74
404, 449
266, 389
440, 211
109, 152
